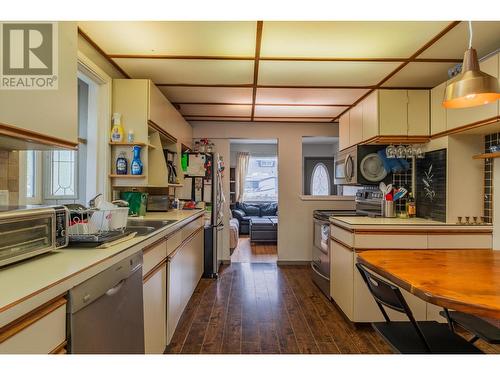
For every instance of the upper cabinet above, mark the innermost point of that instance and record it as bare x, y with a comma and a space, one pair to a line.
445, 121
46, 115
386, 115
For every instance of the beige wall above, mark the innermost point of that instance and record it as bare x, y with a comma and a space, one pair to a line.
97, 58
9, 175
295, 215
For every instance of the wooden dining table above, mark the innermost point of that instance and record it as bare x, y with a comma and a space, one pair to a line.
462, 280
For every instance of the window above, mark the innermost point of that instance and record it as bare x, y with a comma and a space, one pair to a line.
261, 182
60, 168
320, 180
31, 174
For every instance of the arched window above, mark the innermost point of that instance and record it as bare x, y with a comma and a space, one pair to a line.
320, 180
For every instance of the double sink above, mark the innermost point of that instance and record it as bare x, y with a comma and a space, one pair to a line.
143, 227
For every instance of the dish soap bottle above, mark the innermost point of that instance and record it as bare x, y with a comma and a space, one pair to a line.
136, 165
411, 208
121, 164
117, 129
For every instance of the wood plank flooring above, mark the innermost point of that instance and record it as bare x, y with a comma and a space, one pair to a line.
257, 252
262, 308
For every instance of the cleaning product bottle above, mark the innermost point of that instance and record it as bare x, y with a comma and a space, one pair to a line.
411, 208
136, 165
121, 164
117, 129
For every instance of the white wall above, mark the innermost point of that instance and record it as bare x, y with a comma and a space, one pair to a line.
294, 214
309, 149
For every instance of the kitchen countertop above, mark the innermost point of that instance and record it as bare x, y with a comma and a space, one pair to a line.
363, 222
30, 283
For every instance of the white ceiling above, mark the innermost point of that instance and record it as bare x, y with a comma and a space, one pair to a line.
303, 71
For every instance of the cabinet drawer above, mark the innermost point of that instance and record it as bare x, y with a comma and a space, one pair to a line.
175, 239
40, 332
391, 241
153, 255
460, 241
342, 235
190, 228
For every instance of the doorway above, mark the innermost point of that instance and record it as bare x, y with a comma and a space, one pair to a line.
254, 200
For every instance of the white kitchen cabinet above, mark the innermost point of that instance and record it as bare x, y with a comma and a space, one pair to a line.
344, 131
458, 117
438, 112
418, 112
53, 113
355, 125
184, 270
370, 116
155, 314
41, 331
342, 278
393, 112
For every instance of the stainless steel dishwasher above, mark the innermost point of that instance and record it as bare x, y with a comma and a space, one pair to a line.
106, 312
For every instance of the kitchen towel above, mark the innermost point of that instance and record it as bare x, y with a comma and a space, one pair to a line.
394, 165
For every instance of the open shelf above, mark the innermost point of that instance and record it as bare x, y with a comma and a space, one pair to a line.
491, 155
127, 176
141, 144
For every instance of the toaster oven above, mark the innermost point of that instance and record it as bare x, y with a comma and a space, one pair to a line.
29, 231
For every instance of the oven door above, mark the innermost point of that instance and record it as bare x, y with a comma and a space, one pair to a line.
320, 264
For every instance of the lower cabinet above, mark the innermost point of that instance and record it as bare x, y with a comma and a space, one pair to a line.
155, 314
42, 331
184, 270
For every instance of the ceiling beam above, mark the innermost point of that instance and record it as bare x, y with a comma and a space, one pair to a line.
257, 117
278, 58
258, 42
265, 104
412, 58
102, 53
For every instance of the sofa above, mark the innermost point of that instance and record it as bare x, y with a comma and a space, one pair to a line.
243, 212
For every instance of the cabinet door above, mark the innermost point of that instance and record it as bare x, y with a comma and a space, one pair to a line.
155, 316
393, 112
344, 131
356, 125
418, 112
438, 112
342, 277
185, 267
52, 112
464, 116
370, 116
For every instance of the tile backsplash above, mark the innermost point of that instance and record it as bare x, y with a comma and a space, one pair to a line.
489, 140
431, 186
402, 179
9, 177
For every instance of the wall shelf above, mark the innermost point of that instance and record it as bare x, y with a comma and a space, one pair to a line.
491, 155
141, 144
127, 176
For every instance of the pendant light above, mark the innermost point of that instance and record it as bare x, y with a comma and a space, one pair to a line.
472, 87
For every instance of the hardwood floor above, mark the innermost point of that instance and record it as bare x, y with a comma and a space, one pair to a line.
257, 252
264, 308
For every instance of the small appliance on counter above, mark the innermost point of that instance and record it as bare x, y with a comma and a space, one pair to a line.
28, 231
158, 203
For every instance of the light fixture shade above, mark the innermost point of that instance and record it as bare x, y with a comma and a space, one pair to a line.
472, 87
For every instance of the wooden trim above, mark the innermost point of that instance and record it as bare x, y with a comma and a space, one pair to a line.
101, 52
162, 131
250, 85
183, 243
35, 137
60, 349
463, 128
154, 270
488, 155
412, 58
382, 139
228, 85
277, 58
30, 318
256, 120
402, 231
257, 117
258, 42
150, 247
265, 104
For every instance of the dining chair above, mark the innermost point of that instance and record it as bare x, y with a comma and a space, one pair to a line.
411, 337
479, 327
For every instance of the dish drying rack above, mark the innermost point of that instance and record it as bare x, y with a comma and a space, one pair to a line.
92, 225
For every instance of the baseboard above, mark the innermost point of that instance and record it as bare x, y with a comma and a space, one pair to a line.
293, 262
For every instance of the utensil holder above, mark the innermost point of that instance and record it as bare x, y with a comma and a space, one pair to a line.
388, 209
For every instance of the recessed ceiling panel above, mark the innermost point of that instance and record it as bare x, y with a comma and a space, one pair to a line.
190, 71
346, 39
420, 75
217, 118
323, 73
215, 110
242, 95
292, 119
173, 38
297, 111
486, 38
308, 96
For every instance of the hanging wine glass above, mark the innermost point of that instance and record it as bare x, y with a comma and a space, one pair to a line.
390, 152
401, 151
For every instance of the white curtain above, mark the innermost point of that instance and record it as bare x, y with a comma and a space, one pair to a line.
241, 174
